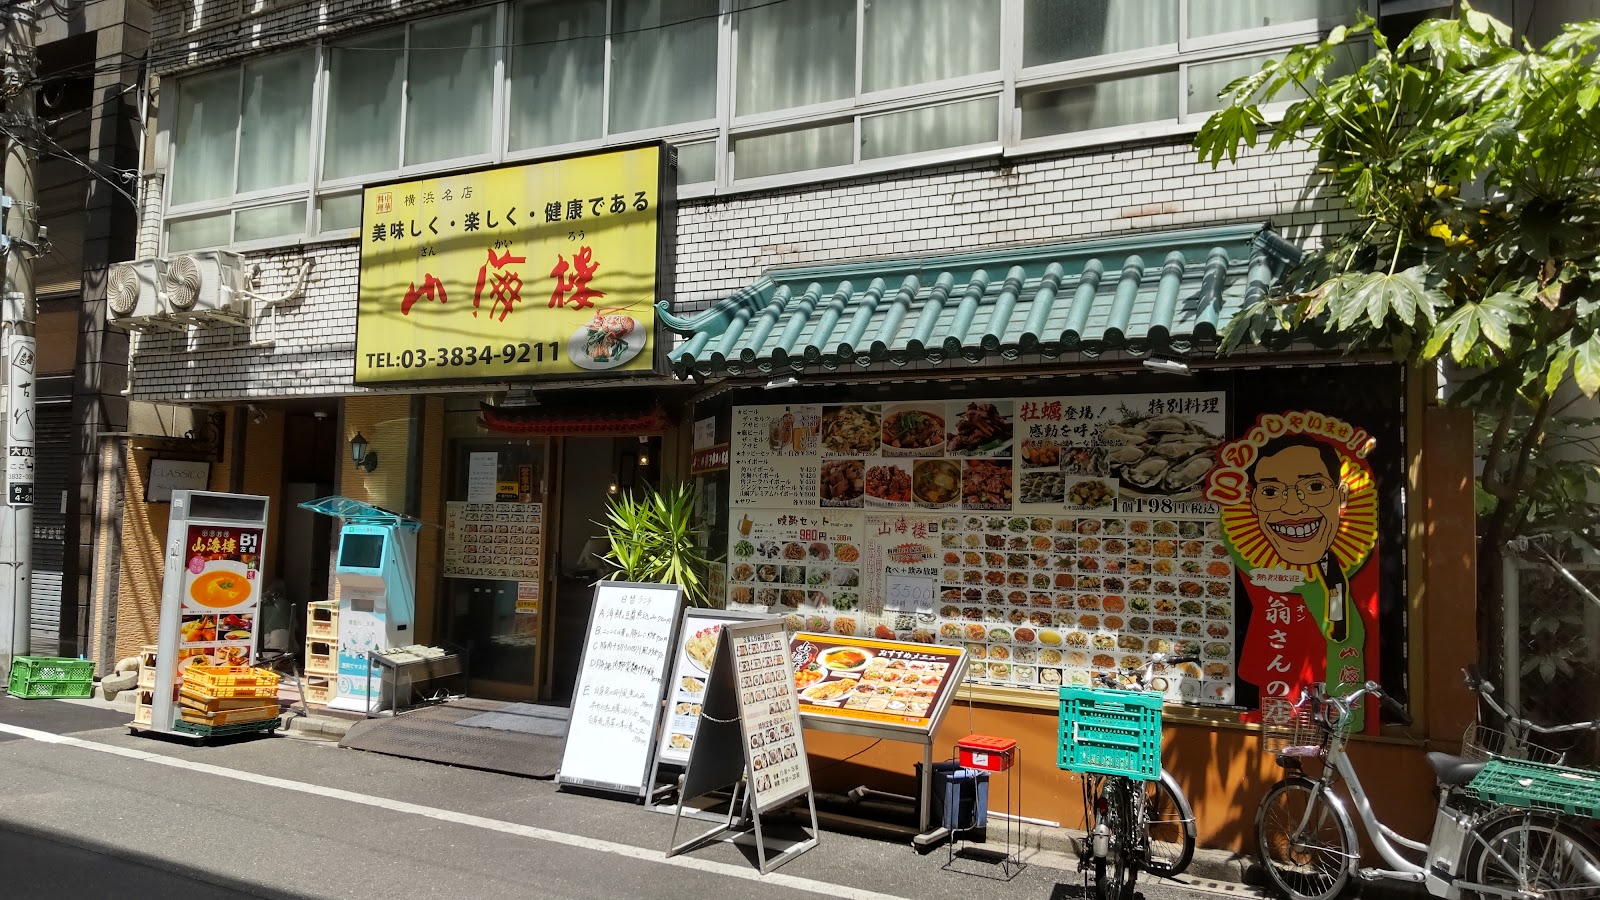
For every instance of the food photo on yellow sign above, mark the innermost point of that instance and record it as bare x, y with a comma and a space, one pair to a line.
546, 268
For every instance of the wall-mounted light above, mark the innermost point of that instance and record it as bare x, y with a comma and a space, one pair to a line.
1168, 365
612, 487
257, 414
359, 454
644, 450
785, 381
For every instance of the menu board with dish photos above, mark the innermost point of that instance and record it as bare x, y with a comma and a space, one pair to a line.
1072, 534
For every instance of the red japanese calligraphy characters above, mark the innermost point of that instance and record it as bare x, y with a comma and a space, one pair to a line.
1299, 513
505, 287
577, 284
430, 286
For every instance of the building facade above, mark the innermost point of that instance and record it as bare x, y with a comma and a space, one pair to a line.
891, 159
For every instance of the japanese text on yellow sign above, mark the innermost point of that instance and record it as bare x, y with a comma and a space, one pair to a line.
546, 268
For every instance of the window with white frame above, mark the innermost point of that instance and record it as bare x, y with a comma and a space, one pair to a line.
753, 93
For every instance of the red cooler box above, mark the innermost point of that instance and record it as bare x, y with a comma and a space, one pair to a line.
985, 752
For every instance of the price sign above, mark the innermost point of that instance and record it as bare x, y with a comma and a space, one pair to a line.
908, 593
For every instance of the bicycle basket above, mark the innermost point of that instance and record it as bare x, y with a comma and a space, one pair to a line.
1483, 743
1290, 730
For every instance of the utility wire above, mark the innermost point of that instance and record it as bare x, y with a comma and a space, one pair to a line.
298, 26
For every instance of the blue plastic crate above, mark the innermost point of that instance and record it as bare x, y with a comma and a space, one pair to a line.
1107, 732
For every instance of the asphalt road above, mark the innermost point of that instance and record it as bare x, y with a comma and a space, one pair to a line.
106, 814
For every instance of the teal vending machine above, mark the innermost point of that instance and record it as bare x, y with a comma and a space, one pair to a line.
376, 573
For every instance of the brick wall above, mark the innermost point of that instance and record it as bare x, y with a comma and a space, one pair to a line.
726, 242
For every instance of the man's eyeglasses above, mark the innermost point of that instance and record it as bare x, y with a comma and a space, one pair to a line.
1311, 491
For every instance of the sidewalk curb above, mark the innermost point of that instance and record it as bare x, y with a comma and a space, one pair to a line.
1228, 870
317, 728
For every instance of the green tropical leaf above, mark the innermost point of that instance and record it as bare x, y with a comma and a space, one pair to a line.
1586, 366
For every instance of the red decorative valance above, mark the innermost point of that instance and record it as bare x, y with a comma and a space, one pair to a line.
591, 420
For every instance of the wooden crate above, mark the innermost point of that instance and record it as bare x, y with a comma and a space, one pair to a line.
322, 620
322, 657
319, 690
147, 677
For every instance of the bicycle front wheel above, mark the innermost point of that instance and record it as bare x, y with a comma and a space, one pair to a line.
1535, 852
1306, 841
1170, 822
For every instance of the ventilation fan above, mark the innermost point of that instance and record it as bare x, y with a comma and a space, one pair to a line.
122, 289
208, 287
134, 294
183, 283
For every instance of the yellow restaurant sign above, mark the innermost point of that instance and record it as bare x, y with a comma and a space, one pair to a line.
540, 269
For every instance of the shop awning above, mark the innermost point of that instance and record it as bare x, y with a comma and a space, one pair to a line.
1150, 293
591, 418
353, 510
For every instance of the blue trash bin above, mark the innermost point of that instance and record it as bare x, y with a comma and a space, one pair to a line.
960, 796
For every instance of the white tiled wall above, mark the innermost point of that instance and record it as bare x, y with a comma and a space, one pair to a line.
724, 243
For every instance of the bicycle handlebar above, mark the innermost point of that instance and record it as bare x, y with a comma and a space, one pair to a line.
1349, 701
1144, 673
1485, 691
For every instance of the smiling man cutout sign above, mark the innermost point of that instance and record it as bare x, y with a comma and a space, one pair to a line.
1299, 513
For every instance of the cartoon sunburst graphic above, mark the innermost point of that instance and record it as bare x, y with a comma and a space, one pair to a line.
1358, 526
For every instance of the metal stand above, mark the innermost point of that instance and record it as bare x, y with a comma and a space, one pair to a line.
1010, 859
735, 807
393, 673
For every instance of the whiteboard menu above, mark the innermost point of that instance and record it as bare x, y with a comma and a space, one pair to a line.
617, 702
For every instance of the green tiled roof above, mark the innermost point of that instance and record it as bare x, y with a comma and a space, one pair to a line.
1158, 292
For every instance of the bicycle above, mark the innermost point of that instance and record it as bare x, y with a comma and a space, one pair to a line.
1483, 742
1134, 822
1307, 842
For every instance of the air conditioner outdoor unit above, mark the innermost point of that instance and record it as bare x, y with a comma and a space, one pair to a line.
136, 296
208, 287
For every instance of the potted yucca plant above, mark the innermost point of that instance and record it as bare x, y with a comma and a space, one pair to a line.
652, 542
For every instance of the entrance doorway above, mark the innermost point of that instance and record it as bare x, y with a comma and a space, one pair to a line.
498, 618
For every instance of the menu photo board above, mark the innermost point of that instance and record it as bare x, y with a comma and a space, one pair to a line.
220, 598
492, 540
617, 702
887, 683
1058, 537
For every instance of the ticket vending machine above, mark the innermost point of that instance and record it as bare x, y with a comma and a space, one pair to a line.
376, 573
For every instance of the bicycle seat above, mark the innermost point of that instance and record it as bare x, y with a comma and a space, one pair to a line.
1454, 771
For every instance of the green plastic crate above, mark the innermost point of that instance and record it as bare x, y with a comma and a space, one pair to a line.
1530, 785
265, 726
50, 677
49, 690
1107, 732
51, 668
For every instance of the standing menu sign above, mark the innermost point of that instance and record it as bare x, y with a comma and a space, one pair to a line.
892, 683
210, 592
750, 734
698, 639
618, 699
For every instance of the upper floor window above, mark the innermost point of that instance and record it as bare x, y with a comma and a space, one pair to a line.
752, 92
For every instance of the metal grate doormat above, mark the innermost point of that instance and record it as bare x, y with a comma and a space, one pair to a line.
526, 718
435, 734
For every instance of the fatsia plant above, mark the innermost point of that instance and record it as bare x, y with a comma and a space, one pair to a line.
1466, 159
652, 540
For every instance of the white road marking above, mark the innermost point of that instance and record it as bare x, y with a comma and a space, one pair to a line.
807, 885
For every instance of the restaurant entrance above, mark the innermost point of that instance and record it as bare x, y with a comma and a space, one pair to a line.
495, 582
